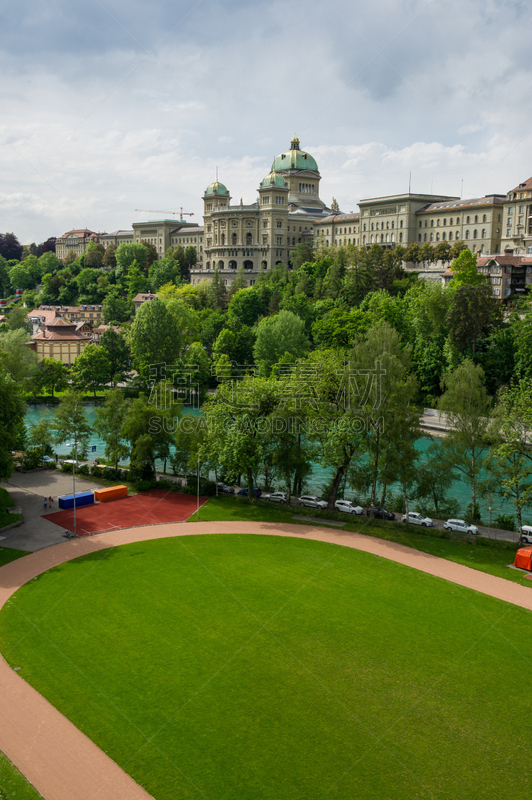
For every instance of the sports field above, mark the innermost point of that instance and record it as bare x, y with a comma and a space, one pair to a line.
265, 667
146, 508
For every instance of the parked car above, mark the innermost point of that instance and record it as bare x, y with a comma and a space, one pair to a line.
276, 497
526, 536
245, 492
460, 526
380, 513
414, 518
348, 507
311, 501
47, 460
225, 488
71, 461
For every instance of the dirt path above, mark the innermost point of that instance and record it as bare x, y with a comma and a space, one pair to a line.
59, 760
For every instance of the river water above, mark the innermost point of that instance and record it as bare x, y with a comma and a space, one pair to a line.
320, 476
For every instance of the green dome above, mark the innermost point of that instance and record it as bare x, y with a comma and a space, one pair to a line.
273, 180
216, 188
294, 159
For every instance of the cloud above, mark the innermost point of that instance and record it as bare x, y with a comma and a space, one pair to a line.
123, 105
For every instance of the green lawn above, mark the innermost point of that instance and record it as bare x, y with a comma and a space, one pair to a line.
8, 554
492, 556
270, 668
13, 785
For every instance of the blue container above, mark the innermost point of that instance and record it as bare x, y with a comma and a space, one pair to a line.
82, 499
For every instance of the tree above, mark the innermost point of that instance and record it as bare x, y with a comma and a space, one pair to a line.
151, 254
20, 277
246, 307
51, 375
116, 307
126, 254
18, 319
386, 388
218, 292
10, 246
199, 363
118, 353
435, 477
510, 457
464, 269
91, 369
474, 313
16, 356
70, 424
136, 281
321, 388
468, 407
302, 253
12, 411
154, 338
283, 334
108, 425
94, 255
146, 427
41, 437
109, 257
5, 283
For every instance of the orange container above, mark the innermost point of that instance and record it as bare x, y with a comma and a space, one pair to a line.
523, 558
112, 493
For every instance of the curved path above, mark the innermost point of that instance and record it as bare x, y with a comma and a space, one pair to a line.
59, 760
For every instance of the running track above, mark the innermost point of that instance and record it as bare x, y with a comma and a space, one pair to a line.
59, 760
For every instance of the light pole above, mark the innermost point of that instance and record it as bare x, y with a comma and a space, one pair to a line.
74, 478
197, 508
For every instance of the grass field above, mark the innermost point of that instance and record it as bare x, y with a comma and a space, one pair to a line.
269, 668
13, 785
486, 555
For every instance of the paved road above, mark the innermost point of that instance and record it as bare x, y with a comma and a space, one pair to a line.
27, 490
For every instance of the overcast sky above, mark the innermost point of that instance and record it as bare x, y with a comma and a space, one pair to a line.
108, 106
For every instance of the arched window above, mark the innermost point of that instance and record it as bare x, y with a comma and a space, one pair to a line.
476, 218
450, 236
220, 264
444, 221
483, 233
424, 237
232, 265
431, 237
432, 223
468, 220
371, 226
248, 264
475, 234
451, 221
393, 224
263, 264
444, 235
401, 236
457, 235
467, 234
484, 218
401, 224
438, 237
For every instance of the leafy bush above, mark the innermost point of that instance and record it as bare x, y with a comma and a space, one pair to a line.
468, 516
83, 470
505, 522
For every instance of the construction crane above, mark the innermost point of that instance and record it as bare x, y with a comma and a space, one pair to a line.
158, 211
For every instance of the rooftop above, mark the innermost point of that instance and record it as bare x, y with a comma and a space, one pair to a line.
487, 200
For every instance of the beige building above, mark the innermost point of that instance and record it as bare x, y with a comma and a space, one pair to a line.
517, 223
75, 240
58, 338
476, 222
258, 236
337, 229
116, 238
162, 233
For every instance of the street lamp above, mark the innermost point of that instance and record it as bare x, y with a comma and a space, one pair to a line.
197, 508
74, 478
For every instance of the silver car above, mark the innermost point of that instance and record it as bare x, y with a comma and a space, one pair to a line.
311, 501
276, 497
348, 507
414, 518
460, 526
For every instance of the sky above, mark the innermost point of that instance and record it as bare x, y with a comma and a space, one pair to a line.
110, 106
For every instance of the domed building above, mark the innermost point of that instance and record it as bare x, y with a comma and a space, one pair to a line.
265, 233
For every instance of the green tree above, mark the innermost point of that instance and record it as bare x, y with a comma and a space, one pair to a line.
126, 254
154, 337
18, 319
199, 363
149, 429
20, 277
5, 283
12, 411
94, 255
464, 269
108, 425
151, 254
118, 353
41, 437
91, 369
386, 389
246, 307
435, 478
116, 307
467, 407
16, 356
70, 423
283, 334
50, 375
510, 458
136, 281
109, 257
473, 314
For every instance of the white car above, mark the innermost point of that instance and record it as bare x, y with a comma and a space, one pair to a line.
414, 518
276, 497
71, 461
460, 526
311, 501
526, 536
348, 507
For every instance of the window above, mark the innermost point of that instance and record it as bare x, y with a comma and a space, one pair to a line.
438, 222
426, 223
467, 234
521, 208
280, 225
265, 199
437, 237
279, 200
420, 223
249, 239
484, 218
476, 219
431, 237
401, 236
432, 223
483, 233
265, 223
401, 224
425, 237
418, 237
265, 239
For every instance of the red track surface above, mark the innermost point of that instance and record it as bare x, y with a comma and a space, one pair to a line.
147, 508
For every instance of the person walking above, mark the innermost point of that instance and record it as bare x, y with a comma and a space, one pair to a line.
45, 503
50, 502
